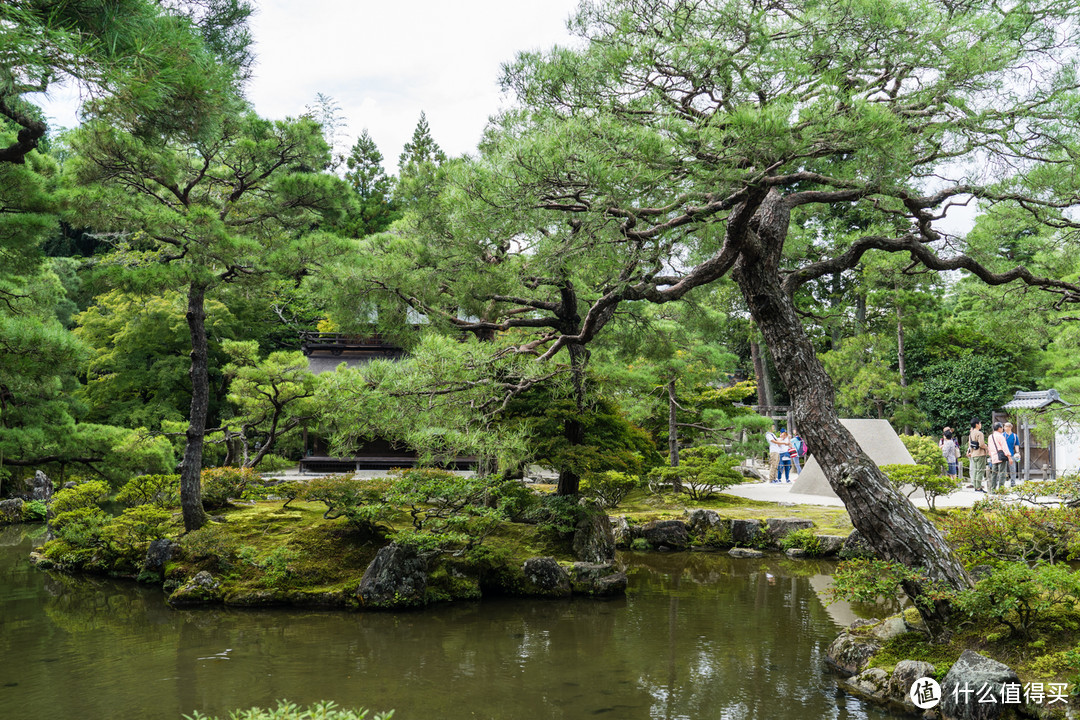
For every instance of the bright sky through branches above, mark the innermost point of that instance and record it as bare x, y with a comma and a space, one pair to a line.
384, 63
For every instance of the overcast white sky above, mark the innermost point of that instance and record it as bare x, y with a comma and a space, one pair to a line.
385, 62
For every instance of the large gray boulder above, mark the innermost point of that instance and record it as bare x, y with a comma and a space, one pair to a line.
201, 589
830, 544
973, 689
700, 521
11, 511
594, 542
620, 530
597, 579
396, 578
778, 528
850, 653
666, 533
856, 546
545, 577
746, 533
904, 675
41, 487
158, 553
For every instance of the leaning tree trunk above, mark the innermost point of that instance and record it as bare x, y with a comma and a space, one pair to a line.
191, 469
890, 523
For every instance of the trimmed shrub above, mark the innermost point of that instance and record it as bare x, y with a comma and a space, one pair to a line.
220, 484
609, 488
87, 494
160, 490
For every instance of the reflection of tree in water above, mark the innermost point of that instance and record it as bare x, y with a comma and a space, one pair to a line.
700, 635
746, 638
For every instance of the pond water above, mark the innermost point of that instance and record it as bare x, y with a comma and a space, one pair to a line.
698, 636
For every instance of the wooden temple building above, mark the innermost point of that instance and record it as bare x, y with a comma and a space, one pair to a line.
325, 352
1046, 459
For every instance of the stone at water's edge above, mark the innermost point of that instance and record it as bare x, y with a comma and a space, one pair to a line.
745, 552
594, 542
158, 553
620, 530
396, 578
545, 577
830, 544
701, 521
11, 510
903, 677
666, 533
855, 546
746, 532
849, 654
597, 579
778, 528
201, 589
973, 671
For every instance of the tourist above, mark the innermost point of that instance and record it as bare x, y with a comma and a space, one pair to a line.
799, 447
1014, 452
999, 457
951, 451
775, 448
785, 457
793, 451
977, 454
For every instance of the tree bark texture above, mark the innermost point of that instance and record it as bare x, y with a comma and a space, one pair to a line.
759, 374
573, 427
191, 468
673, 425
890, 523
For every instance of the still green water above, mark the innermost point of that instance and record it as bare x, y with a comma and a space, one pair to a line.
698, 636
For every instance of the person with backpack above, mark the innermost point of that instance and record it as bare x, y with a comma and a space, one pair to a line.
1000, 458
951, 452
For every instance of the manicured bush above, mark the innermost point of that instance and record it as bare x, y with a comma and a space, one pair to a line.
702, 471
160, 490
126, 537
1020, 597
220, 484
995, 530
361, 501
609, 488
924, 451
926, 478
34, 511
90, 493
447, 510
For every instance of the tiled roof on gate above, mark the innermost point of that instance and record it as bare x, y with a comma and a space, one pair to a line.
1034, 400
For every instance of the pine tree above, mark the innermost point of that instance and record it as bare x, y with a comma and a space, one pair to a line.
372, 185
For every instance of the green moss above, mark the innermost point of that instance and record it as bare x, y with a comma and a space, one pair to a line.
915, 646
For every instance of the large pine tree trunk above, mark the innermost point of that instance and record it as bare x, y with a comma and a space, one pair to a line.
191, 469
890, 523
573, 428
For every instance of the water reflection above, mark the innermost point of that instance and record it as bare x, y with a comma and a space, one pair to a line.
699, 636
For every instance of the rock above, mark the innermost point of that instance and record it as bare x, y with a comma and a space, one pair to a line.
795, 553
70, 484
670, 533
597, 579
855, 546
201, 589
701, 521
158, 553
751, 473
41, 487
974, 677
903, 677
11, 510
830, 544
746, 533
620, 530
889, 628
594, 542
873, 682
778, 528
396, 578
849, 653
745, 552
545, 577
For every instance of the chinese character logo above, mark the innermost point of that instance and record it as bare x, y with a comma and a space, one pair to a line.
925, 693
